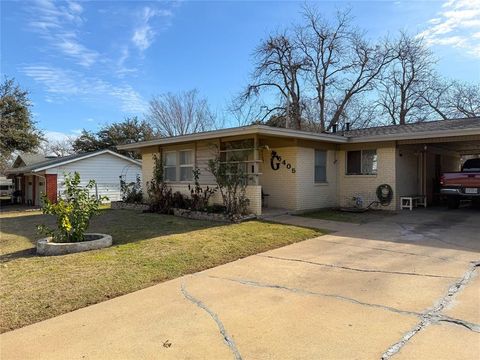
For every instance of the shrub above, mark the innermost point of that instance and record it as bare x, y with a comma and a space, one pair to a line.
232, 182
199, 197
160, 197
73, 210
181, 201
131, 192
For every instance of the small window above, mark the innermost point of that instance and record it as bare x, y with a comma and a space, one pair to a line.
186, 165
320, 166
170, 167
362, 162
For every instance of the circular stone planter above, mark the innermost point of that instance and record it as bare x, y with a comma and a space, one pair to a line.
94, 241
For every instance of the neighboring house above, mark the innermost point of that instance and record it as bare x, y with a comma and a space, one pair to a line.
299, 170
35, 175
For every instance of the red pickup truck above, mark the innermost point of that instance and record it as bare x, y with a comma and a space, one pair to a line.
460, 185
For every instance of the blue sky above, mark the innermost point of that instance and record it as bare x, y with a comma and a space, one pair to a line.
95, 62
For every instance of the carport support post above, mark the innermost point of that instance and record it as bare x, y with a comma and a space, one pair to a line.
424, 171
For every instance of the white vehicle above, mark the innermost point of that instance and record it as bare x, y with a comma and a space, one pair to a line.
6, 189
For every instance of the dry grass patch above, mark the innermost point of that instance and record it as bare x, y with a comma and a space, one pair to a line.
148, 249
351, 217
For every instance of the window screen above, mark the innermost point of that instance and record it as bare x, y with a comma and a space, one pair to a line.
354, 161
186, 165
170, 168
362, 162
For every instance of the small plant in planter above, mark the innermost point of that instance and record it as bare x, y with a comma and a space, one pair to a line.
73, 212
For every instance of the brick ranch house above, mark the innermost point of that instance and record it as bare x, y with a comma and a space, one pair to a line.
299, 170
34, 174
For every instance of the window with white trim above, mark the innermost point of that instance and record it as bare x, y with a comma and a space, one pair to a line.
362, 162
320, 166
186, 165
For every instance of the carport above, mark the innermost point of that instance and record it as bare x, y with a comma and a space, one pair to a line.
421, 162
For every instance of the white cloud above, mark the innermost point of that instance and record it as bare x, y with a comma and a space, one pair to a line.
59, 25
457, 25
143, 37
144, 33
64, 84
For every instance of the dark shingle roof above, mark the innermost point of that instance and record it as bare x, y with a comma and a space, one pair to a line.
58, 160
419, 127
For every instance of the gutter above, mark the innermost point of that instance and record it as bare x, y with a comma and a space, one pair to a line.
416, 135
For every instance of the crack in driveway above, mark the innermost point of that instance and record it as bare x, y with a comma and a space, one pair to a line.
434, 315
226, 337
388, 250
355, 269
254, 283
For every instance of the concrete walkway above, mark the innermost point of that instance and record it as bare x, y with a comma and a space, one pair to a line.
406, 287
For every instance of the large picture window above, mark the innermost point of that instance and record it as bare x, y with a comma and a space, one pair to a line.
362, 162
320, 166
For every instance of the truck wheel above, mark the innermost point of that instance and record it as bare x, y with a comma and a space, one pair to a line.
453, 202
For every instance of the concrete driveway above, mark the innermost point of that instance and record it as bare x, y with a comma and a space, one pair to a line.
406, 287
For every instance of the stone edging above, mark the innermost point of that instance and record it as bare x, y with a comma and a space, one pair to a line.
202, 215
47, 248
128, 206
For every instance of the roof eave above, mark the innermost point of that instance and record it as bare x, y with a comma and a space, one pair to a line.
247, 130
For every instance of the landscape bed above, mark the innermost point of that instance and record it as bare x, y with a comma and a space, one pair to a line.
147, 249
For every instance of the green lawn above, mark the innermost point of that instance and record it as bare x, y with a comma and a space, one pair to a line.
357, 218
148, 249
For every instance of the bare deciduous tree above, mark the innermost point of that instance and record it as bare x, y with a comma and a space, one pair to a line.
180, 114
324, 63
404, 85
245, 111
463, 99
61, 147
343, 64
279, 67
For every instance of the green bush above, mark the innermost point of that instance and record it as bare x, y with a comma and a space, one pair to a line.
232, 182
73, 210
160, 196
199, 196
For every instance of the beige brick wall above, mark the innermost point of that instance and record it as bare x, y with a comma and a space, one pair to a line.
147, 166
365, 186
280, 185
297, 191
408, 181
254, 194
311, 195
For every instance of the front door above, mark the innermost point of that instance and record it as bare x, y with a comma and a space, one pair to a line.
40, 190
29, 196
